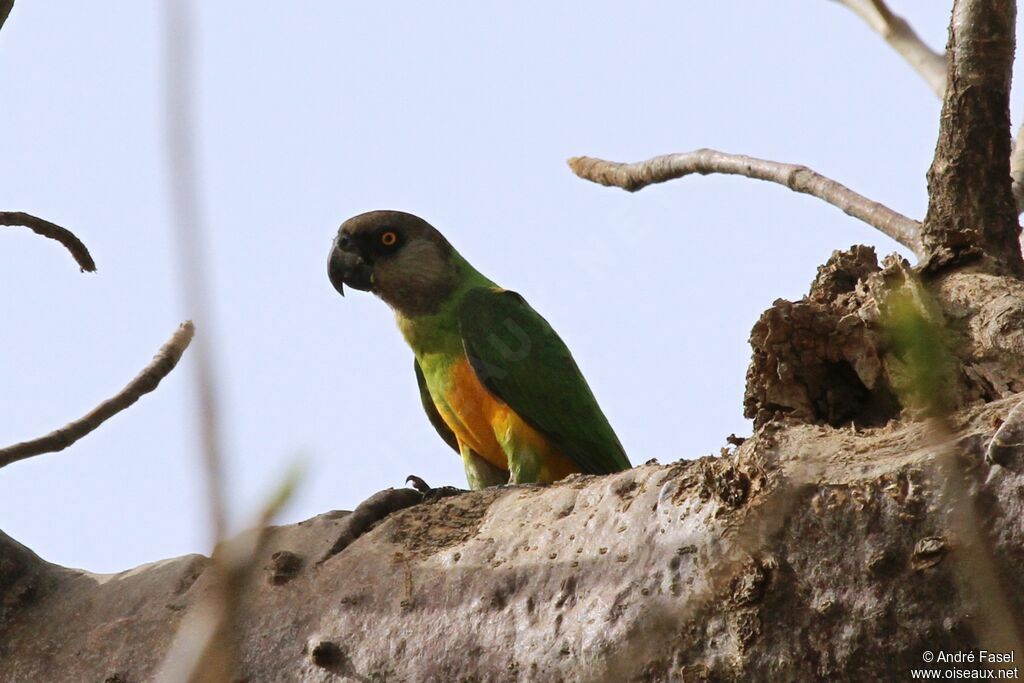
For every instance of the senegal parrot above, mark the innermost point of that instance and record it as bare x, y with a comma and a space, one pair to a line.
496, 381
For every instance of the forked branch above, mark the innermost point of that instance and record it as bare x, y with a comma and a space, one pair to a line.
146, 381
931, 65
53, 231
633, 177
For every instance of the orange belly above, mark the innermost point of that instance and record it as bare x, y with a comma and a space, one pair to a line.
485, 423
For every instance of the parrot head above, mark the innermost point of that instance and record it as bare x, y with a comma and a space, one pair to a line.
397, 256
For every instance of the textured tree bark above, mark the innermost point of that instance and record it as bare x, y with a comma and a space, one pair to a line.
971, 210
809, 553
829, 359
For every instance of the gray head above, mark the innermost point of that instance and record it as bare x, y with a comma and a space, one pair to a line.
398, 256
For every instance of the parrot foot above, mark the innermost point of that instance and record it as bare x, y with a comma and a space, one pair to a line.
430, 493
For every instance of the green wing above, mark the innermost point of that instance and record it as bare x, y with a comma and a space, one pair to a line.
435, 417
522, 361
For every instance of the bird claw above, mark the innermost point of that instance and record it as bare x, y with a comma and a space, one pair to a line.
430, 493
417, 483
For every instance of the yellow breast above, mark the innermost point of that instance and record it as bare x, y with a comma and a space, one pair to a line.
483, 422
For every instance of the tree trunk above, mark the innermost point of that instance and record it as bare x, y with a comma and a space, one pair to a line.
809, 553
971, 210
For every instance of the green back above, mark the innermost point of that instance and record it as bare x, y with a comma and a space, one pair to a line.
522, 361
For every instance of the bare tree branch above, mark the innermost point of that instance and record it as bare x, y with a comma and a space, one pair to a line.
972, 213
38, 225
53, 231
931, 65
5, 9
146, 381
798, 178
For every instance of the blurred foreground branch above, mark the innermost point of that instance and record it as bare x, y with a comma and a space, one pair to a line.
204, 648
921, 340
633, 177
146, 381
47, 229
189, 227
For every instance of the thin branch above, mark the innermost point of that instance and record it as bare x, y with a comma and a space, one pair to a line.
5, 9
52, 230
146, 381
931, 65
636, 176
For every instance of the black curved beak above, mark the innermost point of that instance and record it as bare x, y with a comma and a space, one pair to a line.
345, 266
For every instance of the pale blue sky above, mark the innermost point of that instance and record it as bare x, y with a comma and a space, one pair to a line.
463, 113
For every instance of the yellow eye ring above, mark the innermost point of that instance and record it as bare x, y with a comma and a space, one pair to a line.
388, 239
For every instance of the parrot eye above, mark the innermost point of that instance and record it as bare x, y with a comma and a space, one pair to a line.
388, 238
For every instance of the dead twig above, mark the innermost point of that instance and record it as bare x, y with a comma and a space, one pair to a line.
146, 381
633, 177
5, 9
47, 229
895, 30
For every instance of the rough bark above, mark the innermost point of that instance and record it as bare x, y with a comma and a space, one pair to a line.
828, 358
971, 211
810, 552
